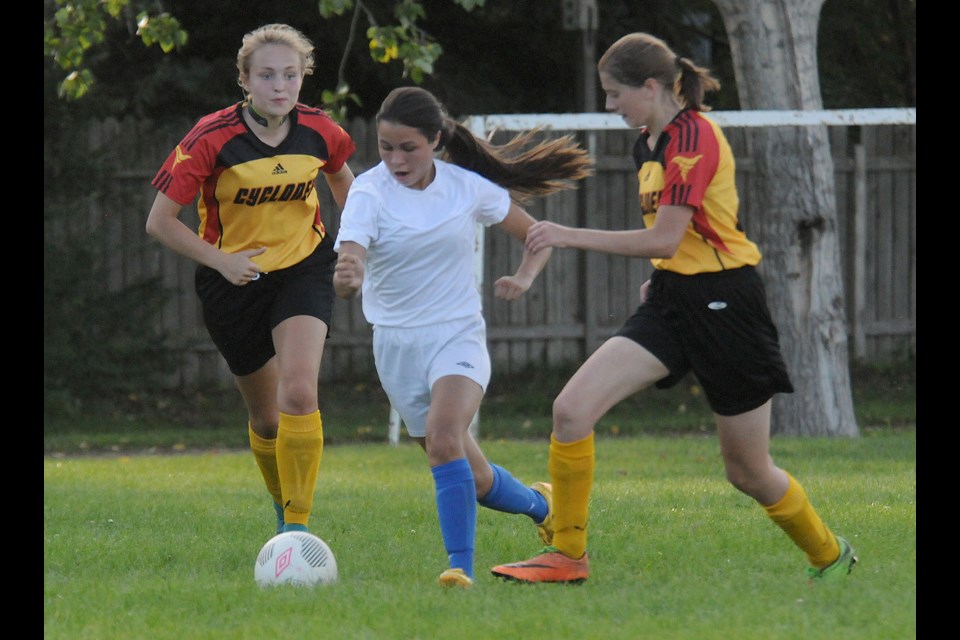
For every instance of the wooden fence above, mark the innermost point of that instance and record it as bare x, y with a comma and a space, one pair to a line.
581, 298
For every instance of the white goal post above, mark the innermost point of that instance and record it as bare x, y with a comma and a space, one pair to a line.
483, 126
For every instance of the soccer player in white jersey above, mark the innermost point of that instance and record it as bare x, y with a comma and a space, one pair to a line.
406, 245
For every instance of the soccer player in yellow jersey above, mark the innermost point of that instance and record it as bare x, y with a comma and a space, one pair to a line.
265, 261
704, 311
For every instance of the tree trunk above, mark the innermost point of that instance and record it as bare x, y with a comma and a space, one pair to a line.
793, 211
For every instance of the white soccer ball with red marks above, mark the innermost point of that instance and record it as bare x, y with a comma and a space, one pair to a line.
297, 558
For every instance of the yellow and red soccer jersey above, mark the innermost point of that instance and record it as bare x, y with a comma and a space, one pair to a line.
692, 165
251, 194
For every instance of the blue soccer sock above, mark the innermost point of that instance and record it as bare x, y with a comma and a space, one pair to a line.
511, 496
457, 510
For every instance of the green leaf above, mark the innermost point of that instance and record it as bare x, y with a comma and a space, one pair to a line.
114, 7
329, 8
76, 84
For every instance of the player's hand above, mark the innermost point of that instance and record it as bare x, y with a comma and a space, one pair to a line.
510, 287
238, 267
348, 275
644, 291
543, 234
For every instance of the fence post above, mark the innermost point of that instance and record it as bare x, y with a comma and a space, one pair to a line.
859, 250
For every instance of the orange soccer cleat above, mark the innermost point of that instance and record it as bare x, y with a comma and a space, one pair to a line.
549, 566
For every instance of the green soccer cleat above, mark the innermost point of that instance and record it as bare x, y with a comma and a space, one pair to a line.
840, 567
545, 528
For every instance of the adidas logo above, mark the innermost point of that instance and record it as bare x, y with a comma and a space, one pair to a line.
277, 170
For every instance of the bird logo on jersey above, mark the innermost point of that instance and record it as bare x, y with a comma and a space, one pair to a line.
685, 164
181, 157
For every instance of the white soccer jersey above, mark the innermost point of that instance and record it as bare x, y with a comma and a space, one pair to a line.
420, 244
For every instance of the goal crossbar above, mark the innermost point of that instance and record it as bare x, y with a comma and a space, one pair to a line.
754, 118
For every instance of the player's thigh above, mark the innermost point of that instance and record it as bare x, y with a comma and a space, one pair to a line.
299, 344
615, 371
745, 436
454, 400
745, 448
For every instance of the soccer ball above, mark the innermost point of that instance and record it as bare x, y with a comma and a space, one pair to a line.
297, 558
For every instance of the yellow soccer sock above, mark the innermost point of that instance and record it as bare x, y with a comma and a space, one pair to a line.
299, 451
265, 453
571, 467
795, 515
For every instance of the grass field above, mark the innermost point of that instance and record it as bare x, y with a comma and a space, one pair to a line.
162, 547
143, 545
